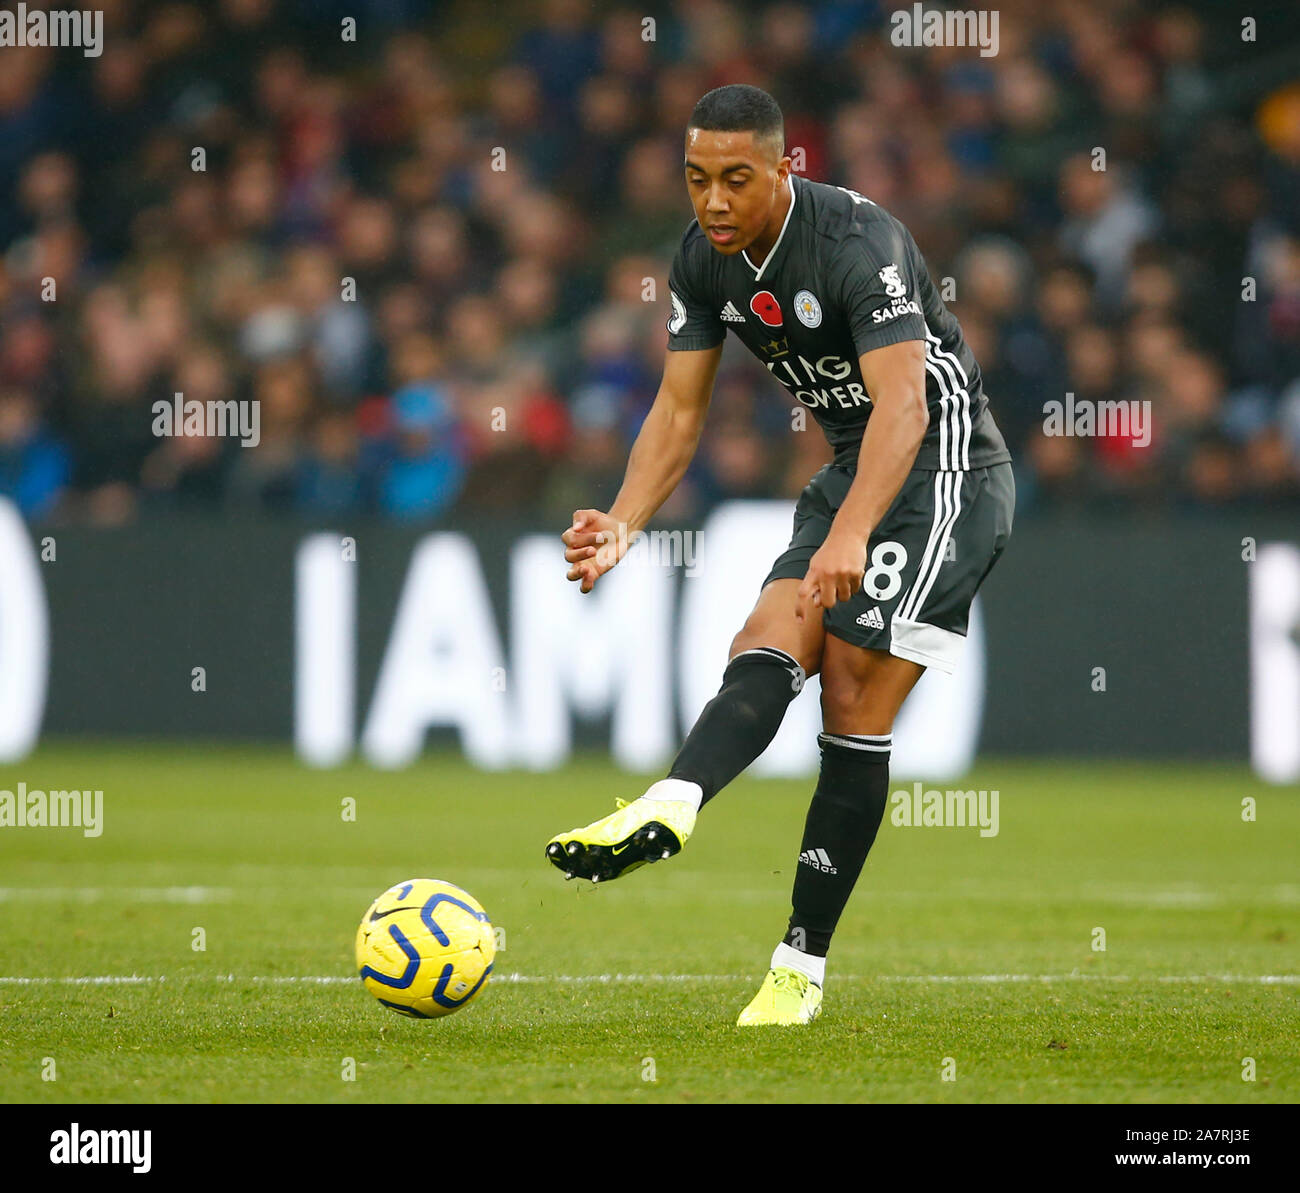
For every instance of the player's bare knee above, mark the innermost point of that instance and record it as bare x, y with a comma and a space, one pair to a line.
756, 632
844, 700
743, 641
761, 633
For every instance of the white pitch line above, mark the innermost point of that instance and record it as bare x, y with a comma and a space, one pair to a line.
106, 980
131, 894
1277, 979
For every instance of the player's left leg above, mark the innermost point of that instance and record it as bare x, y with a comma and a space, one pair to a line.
862, 691
767, 665
768, 662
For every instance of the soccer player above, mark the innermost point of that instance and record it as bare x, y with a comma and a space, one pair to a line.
891, 540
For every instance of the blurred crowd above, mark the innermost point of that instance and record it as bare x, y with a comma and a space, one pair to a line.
437, 255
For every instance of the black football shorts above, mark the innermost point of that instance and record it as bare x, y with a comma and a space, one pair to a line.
925, 561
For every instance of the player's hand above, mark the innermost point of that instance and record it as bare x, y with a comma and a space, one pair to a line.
594, 544
834, 574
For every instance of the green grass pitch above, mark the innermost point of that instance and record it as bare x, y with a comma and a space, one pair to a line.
959, 956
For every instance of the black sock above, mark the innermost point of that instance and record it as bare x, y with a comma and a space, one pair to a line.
739, 723
843, 819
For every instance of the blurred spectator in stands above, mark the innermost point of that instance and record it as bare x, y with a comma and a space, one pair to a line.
425, 465
266, 477
336, 332
189, 470
1106, 217
733, 463
517, 429
34, 465
329, 474
590, 469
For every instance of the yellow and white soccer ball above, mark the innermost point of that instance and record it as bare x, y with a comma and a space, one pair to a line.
425, 948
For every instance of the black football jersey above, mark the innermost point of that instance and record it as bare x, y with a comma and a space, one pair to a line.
844, 277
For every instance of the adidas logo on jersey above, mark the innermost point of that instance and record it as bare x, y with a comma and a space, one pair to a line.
872, 619
818, 859
730, 314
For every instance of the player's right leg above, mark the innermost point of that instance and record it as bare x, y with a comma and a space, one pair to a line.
911, 613
768, 662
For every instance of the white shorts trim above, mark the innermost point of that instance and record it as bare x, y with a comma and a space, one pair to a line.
925, 644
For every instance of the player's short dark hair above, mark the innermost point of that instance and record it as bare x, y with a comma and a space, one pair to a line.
740, 108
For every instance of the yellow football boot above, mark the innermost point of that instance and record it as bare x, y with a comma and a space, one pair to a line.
645, 830
787, 998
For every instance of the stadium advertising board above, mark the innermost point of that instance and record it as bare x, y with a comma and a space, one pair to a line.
380, 642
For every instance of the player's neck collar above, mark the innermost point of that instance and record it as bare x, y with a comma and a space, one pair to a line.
759, 270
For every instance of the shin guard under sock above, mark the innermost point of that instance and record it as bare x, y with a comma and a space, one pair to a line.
842, 823
739, 723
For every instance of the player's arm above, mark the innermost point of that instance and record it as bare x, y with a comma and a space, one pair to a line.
663, 450
895, 378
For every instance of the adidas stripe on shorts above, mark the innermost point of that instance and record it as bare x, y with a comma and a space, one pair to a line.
925, 561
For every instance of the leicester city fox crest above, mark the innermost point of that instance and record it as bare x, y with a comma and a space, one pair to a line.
808, 308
